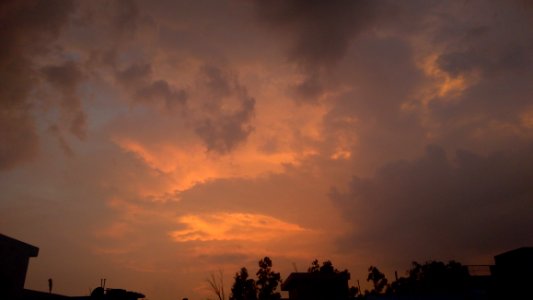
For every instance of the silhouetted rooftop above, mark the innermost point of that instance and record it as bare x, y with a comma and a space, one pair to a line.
312, 277
20, 247
519, 253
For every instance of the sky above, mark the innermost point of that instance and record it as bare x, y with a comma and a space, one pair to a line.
153, 143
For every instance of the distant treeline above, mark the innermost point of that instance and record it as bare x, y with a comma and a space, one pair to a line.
433, 278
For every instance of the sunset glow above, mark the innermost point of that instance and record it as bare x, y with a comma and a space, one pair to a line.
154, 143
233, 226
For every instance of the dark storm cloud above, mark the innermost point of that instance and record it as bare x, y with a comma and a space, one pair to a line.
216, 82
485, 44
135, 74
318, 34
223, 132
117, 21
435, 206
223, 129
382, 75
494, 48
320, 31
66, 78
27, 29
162, 91
126, 16
138, 78
308, 89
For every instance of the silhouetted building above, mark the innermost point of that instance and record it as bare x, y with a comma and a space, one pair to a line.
14, 259
114, 294
317, 286
513, 273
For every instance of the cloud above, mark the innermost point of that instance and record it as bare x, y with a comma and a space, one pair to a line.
198, 129
309, 89
227, 123
320, 32
134, 74
160, 90
26, 33
138, 81
436, 206
493, 71
66, 78
316, 36
233, 226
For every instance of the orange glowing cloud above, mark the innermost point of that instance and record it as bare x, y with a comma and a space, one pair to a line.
268, 149
284, 133
526, 119
192, 165
233, 226
444, 84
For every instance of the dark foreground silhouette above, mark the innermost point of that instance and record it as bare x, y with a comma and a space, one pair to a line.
509, 278
14, 259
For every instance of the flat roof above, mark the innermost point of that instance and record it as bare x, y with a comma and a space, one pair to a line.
27, 249
314, 278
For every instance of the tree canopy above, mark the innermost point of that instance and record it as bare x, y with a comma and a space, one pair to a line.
326, 268
433, 278
378, 280
243, 288
264, 288
267, 281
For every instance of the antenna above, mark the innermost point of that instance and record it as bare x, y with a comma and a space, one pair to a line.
295, 268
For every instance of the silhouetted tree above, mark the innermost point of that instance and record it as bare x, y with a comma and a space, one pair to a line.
433, 278
216, 283
326, 268
353, 293
267, 281
244, 288
315, 266
378, 280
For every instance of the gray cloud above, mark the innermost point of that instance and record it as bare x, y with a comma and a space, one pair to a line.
318, 35
216, 82
435, 206
134, 74
66, 78
160, 90
146, 90
320, 31
223, 129
494, 48
222, 133
26, 31
309, 89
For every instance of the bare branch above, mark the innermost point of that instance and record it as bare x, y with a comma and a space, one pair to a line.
216, 284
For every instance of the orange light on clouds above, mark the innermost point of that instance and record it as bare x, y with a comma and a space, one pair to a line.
445, 85
187, 166
527, 119
233, 226
441, 85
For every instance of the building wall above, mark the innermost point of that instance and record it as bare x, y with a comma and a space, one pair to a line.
13, 269
14, 258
